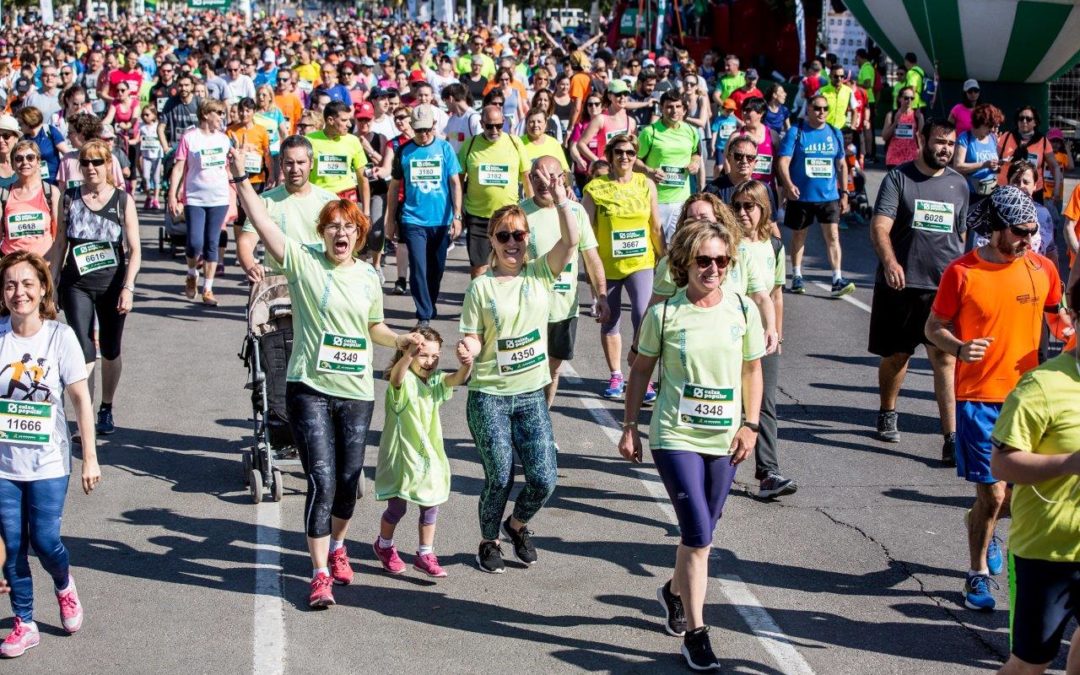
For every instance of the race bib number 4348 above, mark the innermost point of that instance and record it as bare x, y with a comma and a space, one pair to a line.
703, 407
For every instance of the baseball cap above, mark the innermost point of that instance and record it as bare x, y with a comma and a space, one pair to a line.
9, 123
423, 117
107, 132
268, 56
751, 74
618, 87
971, 84
1055, 134
417, 76
367, 61
363, 110
22, 85
378, 92
648, 63
663, 62
729, 104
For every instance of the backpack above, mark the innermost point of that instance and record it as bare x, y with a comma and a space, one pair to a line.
5, 194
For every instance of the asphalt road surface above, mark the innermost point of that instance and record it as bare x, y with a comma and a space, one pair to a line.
859, 572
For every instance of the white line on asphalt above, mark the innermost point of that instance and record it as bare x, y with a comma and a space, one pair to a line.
736, 591
268, 641
847, 298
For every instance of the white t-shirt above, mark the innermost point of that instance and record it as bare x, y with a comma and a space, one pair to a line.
385, 126
36, 369
206, 175
460, 129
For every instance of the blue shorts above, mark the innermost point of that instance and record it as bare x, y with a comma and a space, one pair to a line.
974, 422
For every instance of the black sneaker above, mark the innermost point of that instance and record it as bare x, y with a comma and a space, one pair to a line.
400, 286
674, 616
775, 485
948, 450
522, 541
842, 287
886, 426
105, 424
490, 558
697, 650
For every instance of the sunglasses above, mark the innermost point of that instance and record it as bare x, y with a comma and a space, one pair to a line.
1023, 232
721, 261
743, 206
346, 72
504, 236
742, 157
820, 108
305, 126
92, 162
594, 104
1025, 118
492, 127
401, 119
907, 98
623, 153
24, 158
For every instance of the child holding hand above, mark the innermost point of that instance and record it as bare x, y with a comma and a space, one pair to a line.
412, 462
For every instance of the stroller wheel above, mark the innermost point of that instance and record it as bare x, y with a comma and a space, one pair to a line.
161, 239
255, 486
247, 467
277, 489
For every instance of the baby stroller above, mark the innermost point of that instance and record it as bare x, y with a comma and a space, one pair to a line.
860, 210
266, 350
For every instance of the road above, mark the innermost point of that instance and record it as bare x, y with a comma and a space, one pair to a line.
859, 572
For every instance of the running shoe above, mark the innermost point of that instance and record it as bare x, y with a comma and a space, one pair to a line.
886, 426
322, 591
389, 558
208, 299
697, 650
650, 395
71, 614
522, 541
995, 562
390, 247
977, 592
615, 386
429, 565
340, 569
105, 424
674, 615
22, 637
797, 285
451, 247
400, 286
489, 558
189, 287
948, 450
842, 287
775, 485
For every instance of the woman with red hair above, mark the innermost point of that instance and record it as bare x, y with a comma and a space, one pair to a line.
338, 313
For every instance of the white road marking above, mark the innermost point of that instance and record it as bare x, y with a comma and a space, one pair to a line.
768, 633
268, 641
847, 298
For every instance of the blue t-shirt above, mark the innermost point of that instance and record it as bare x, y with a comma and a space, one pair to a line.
426, 171
723, 128
775, 120
978, 151
813, 154
266, 77
48, 137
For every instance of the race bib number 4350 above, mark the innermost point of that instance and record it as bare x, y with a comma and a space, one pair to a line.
931, 216
342, 354
707, 407
516, 355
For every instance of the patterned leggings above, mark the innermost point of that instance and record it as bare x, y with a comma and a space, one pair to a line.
499, 426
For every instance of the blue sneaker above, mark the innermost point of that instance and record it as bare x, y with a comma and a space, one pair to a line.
650, 395
797, 285
977, 592
616, 386
842, 287
994, 561
105, 425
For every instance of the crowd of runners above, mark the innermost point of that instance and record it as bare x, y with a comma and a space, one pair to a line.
335, 149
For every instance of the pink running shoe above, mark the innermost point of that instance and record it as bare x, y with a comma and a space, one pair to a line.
340, 569
322, 591
22, 637
391, 561
71, 614
429, 565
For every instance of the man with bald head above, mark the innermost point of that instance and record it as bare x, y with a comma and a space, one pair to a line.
544, 231
494, 166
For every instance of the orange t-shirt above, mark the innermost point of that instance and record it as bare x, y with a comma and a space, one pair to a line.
1004, 301
1036, 155
255, 142
291, 107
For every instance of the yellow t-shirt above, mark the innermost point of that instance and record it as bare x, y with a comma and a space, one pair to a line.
545, 147
336, 162
623, 229
494, 171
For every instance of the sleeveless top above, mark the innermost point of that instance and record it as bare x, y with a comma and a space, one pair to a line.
763, 167
28, 223
903, 147
609, 128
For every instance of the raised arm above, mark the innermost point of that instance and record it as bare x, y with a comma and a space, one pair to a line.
566, 248
272, 236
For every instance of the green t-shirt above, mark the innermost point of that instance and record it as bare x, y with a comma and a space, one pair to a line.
336, 162
333, 308
744, 276
729, 83
545, 147
866, 80
296, 215
494, 171
1039, 416
671, 149
914, 78
412, 462
769, 263
511, 319
699, 406
543, 235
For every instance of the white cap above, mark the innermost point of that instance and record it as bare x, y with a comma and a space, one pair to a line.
9, 123
971, 84
268, 56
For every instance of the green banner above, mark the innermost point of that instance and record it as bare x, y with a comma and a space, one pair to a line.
220, 5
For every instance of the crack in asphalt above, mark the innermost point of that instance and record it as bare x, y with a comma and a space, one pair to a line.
792, 398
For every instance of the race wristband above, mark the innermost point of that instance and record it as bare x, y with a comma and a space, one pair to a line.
241, 179
959, 349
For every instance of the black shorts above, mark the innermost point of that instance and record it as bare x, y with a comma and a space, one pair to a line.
479, 244
561, 335
800, 215
898, 319
1045, 596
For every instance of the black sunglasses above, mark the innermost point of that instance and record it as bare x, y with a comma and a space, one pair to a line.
518, 235
1023, 232
703, 261
821, 108
492, 127
92, 162
742, 206
1025, 118
741, 157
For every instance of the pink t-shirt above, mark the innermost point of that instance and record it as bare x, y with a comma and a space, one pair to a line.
206, 168
962, 114
28, 224
69, 175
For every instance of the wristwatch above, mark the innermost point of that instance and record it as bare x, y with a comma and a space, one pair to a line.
129, 287
752, 426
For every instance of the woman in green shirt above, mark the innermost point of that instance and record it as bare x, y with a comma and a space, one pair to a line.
504, 322
709, 343
330, 395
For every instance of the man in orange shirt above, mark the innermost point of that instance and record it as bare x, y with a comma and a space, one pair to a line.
580, 84
988, 311
286, 100
254, 141
1071, 229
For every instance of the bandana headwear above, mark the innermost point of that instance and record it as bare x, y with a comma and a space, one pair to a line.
1006, 206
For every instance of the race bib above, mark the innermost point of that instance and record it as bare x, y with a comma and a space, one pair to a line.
905, 131
707, 407
91, 94
94, 256
212, 157
1033, 158
26, 422
516, 355
26, 224
612, 134
252, 162
342, 354
151, 144
494, 174
275, 146
304, 86
674, 176
564, 283
725, 131
333, 165
1048, 174
931, 216
161, 104
629, 243
763, 164
44, 170
819, 168
425, 170
74, 183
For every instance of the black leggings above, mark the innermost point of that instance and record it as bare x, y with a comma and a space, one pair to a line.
95, 293
330, 433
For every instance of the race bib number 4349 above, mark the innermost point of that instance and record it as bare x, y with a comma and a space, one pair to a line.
342, 354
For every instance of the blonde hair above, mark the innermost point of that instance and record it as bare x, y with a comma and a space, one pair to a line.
759, 194
688, 241
208, 106
99, 149
508, 215
724, 214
